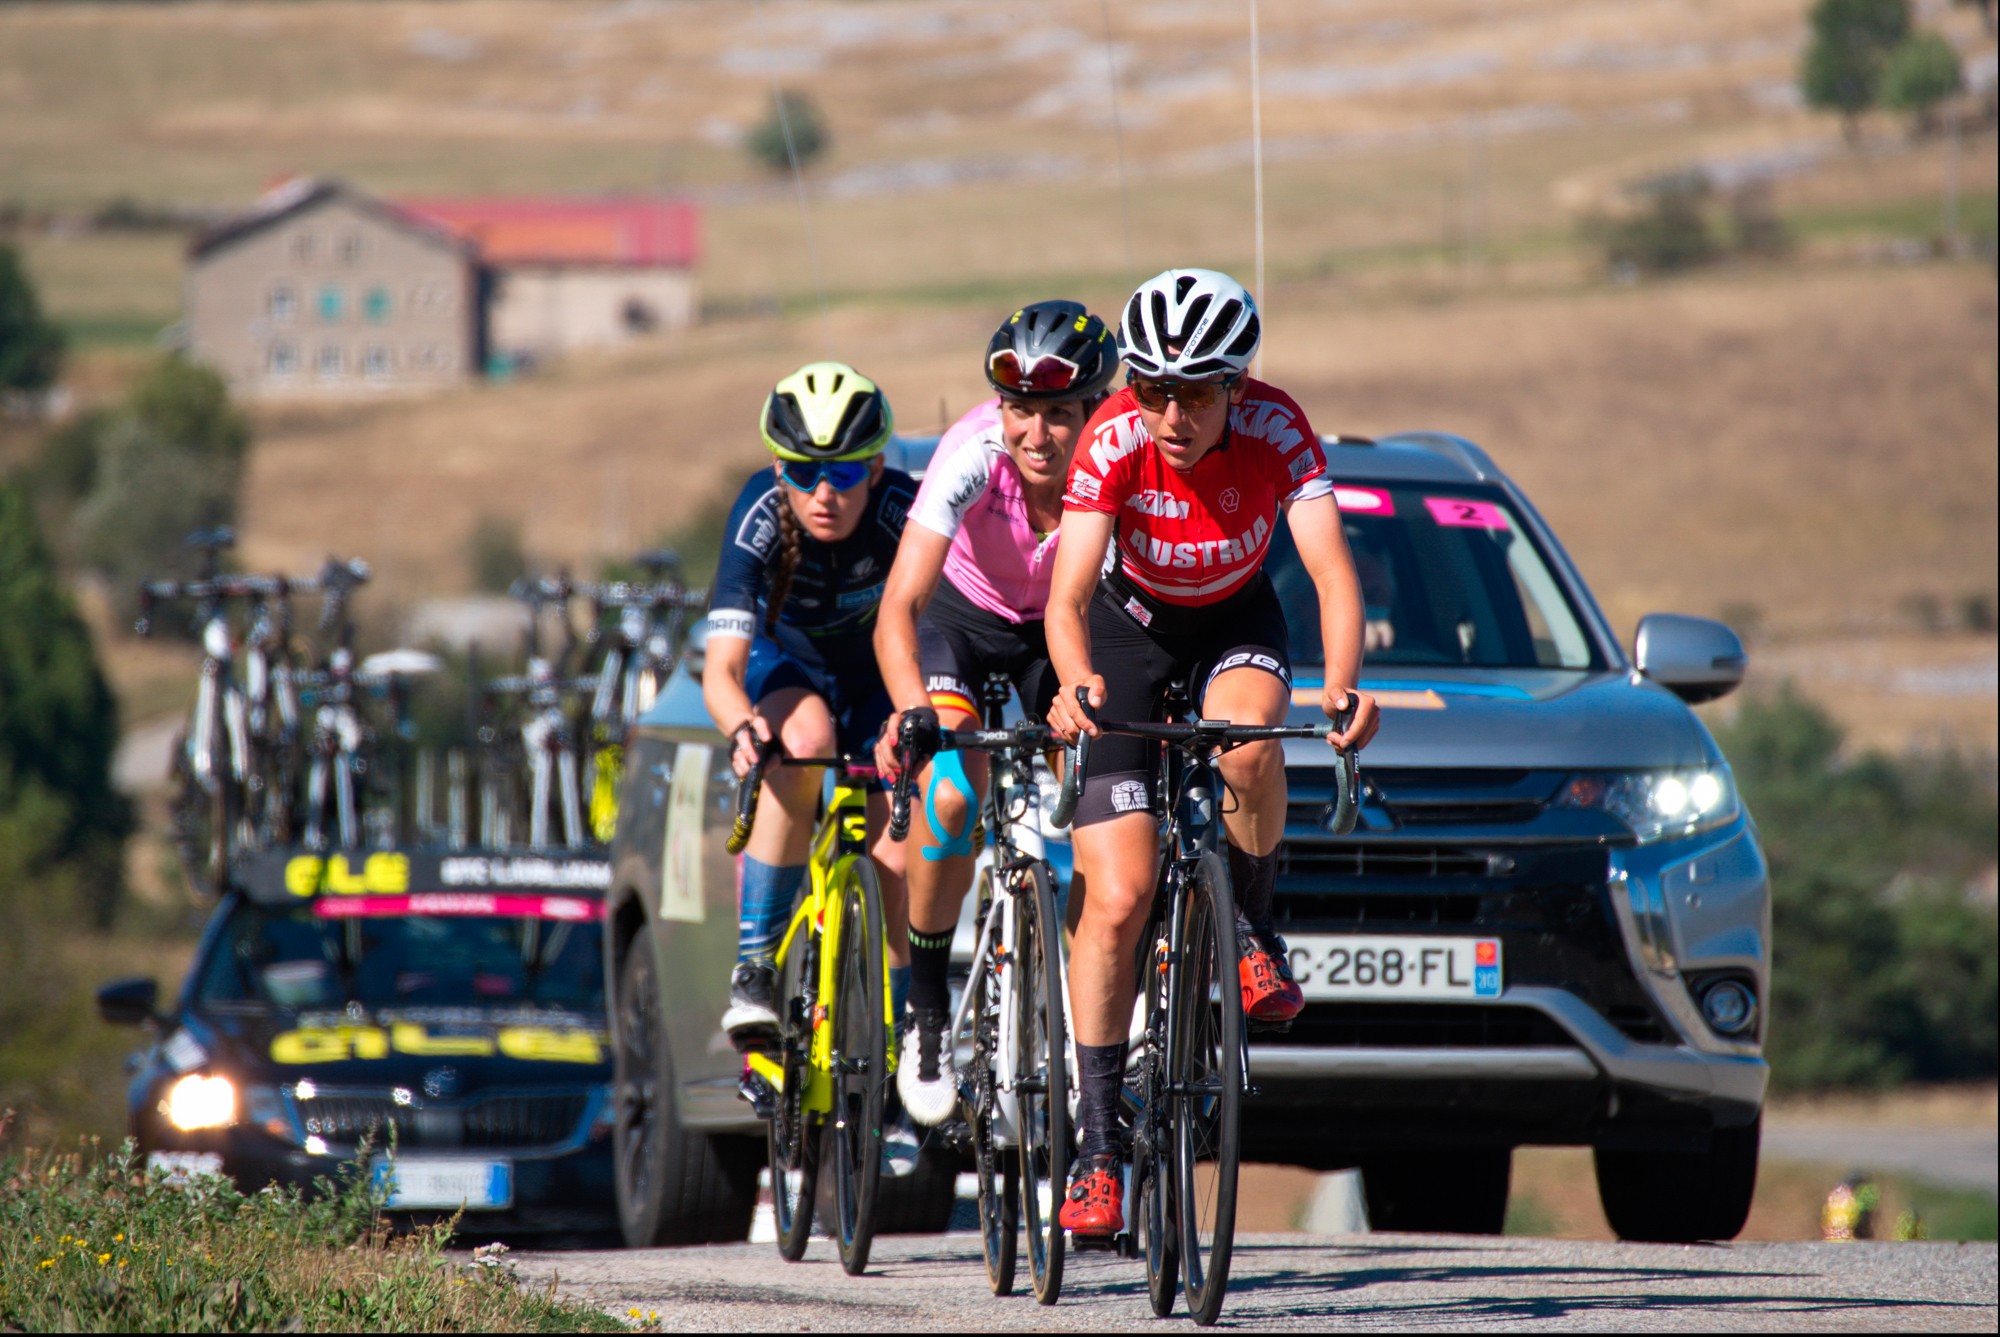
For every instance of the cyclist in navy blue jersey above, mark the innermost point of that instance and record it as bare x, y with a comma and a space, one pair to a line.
791, 652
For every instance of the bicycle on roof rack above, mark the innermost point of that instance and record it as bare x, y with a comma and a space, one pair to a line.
640, 651
544, 743
1015, 1097
1186, 1081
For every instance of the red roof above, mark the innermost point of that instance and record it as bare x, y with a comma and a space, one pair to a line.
635, 232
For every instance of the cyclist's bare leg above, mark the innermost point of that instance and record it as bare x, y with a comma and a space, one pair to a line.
938, 886
1115, 859
790, 798
1254, 772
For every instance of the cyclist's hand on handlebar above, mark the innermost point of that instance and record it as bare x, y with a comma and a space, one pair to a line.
921, 723
1068, 717
1361, 728
746, 742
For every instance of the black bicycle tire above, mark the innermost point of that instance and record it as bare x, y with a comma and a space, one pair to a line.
1208, 907
859, 1083
998, 1199
1152, 1157
1038, 989
798, 982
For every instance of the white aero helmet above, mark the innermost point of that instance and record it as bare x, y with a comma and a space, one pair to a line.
1208, 316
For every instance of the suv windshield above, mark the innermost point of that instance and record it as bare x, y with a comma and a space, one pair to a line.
300, 956
1450, 577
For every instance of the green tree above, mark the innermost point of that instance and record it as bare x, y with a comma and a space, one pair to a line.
1671, 233
1851, 41
58, 726
31, 346
792, 126
1920, 74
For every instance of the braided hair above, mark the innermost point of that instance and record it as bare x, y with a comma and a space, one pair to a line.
784, 562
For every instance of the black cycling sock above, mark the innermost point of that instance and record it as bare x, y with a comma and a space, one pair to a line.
1254, 876
930, 961
1100, 1075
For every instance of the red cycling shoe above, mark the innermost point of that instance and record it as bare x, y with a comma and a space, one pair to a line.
1095, 1204
1270, 994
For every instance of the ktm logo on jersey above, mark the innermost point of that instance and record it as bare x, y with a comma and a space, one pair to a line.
1163, 504
1209, 552
1115, 440
1268, 422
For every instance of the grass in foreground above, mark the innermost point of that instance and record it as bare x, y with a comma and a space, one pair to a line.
93, 1243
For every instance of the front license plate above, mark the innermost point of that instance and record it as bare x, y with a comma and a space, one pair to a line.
448, 1184
1336, 966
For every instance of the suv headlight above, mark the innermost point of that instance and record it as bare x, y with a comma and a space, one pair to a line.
1659, 805
196, 1101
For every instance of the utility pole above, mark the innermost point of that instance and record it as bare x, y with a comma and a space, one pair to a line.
1954, 240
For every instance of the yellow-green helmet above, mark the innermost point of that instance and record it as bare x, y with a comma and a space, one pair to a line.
827, 411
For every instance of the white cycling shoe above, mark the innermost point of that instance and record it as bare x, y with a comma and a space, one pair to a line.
925, 1078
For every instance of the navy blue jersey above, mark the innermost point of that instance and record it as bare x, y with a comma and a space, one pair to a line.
829, 617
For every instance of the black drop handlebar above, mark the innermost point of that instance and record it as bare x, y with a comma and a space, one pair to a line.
1217, 733
919, 738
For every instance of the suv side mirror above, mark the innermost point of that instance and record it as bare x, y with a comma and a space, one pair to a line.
1696, 658
129, 1002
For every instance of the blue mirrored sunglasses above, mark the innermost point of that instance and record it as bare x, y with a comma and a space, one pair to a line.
845, 475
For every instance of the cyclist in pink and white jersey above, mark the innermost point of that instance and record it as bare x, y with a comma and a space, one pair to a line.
965, 600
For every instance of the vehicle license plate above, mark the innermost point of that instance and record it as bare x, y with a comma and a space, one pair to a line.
446, 1183
1338, 966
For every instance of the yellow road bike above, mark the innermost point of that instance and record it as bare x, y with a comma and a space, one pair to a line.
831, 1066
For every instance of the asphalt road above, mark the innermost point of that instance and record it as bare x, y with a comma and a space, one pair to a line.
1404, 1282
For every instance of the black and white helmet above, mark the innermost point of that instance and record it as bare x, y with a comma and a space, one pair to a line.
1207, 316
1051, 351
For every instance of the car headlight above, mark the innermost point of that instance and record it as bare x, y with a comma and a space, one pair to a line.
1047, 789
1659, 805
196, 1102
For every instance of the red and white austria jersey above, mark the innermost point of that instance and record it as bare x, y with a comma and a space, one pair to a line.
1196, 537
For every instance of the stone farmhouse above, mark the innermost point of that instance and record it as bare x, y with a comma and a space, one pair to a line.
321, 289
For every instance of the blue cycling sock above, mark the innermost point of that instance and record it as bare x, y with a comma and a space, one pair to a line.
768, 893
899, 991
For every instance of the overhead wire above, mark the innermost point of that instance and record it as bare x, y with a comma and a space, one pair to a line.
781, 105
1257, 177
1118, 137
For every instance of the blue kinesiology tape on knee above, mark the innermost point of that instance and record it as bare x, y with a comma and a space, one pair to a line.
949, 768
899, 990
768, 893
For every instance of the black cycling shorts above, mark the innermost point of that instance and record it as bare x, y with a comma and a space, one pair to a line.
1139, 661
959, 644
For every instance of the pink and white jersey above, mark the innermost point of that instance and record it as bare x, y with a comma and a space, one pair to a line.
971, 494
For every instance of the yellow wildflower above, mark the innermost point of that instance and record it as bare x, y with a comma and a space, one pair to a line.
48, 1263
119, 1238
122, 1262
633, 1313
103, 1258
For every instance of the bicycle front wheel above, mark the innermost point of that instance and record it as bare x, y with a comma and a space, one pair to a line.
1041, 1077
860, 1066
1205, 1042
793, 1133
993, 1164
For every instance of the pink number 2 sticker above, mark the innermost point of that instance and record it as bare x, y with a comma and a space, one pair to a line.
1456, 514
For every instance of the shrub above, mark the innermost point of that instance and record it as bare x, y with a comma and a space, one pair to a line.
1883, 966
30, 345
1851, 41
792, 127
1670, 233
495, 553
1920, 74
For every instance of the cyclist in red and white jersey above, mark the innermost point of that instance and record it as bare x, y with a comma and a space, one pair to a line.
964, 600
1166, 522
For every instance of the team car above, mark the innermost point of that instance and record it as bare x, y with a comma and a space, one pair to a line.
444, 1009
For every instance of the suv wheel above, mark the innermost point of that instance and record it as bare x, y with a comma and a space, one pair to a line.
920, 1203
673, 1186
1682, 1197
1457, 1191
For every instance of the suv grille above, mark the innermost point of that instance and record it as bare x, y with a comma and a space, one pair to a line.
495, 1121
1414, 797
1425, 1026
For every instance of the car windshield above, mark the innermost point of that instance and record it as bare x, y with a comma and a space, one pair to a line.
299, 956
1449, 577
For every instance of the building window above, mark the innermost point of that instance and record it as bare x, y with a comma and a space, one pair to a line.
376, 364
284, 303
376, 304
430, 298
350, 248
330, 302
332, 361
304, 247
283, 359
